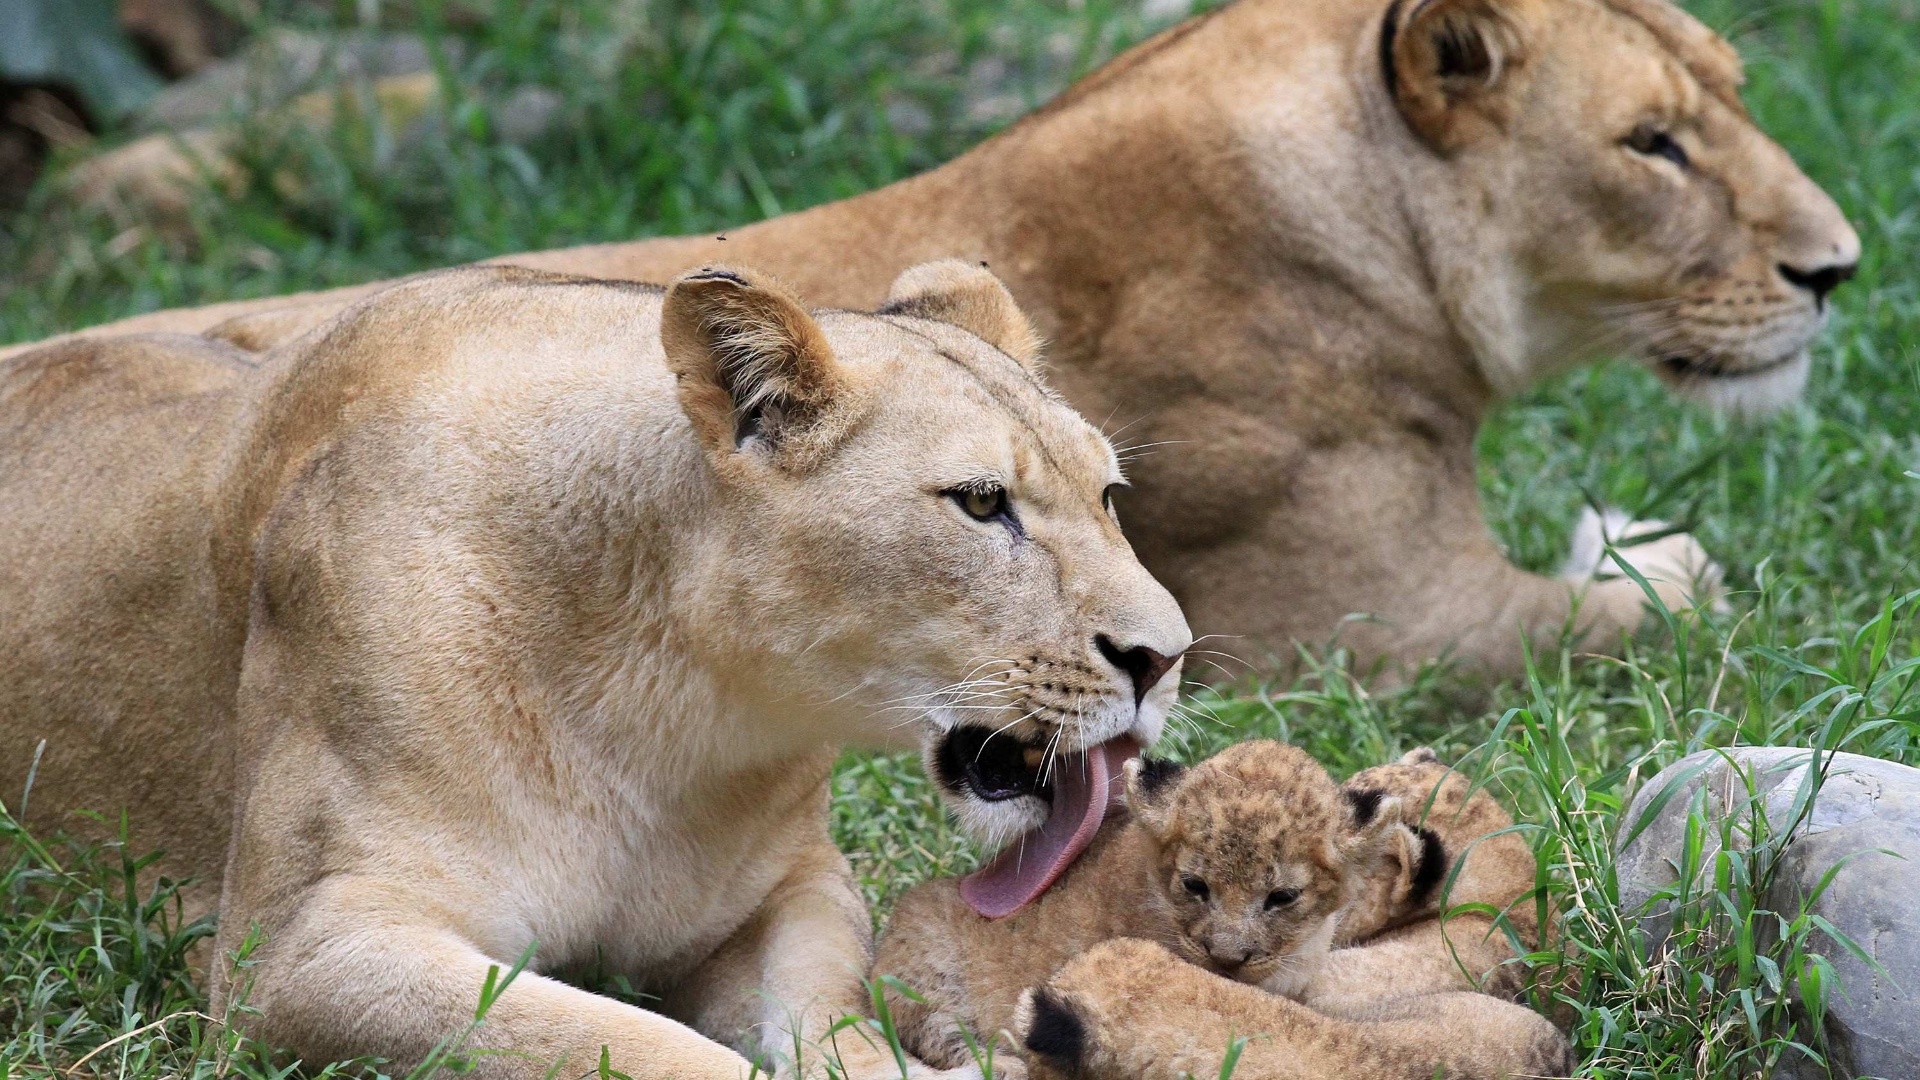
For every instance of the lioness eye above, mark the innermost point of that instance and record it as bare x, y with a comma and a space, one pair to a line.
1280, 898
1651, 141
981, 504
1194, 886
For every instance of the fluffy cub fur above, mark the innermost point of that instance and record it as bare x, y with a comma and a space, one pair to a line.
1396, 999
1456, 851
1241, 864
1132, 1010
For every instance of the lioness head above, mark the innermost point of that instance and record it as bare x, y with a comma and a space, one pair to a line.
925, 542
1602, 189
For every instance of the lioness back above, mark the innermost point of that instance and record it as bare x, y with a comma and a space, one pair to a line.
1241, 864
112, 448
146, 468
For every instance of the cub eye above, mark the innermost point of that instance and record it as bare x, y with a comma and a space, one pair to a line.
981, 503
1653, 142
1280, 898
1194, 886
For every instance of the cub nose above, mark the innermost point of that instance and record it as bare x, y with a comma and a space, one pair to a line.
1141, 664
1819, 281
1231, 959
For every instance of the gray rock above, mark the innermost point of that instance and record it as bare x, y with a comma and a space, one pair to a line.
1866, 807
528, 114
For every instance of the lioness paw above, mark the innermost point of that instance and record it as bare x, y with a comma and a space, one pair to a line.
1681, 572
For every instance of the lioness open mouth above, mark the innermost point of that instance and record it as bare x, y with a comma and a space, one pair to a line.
1707, 367
979, 763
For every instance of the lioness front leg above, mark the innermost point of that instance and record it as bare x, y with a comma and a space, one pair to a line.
366, 964
779, 986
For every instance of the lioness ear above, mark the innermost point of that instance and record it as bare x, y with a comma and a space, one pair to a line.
1453, 66
969, 297
753, 366
1150, 786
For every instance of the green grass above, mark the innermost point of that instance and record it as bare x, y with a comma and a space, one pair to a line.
699, 115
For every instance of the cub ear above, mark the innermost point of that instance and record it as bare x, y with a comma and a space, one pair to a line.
1454, 66
1374, 818
970, 297
753, 367
1420, 755
1150, 786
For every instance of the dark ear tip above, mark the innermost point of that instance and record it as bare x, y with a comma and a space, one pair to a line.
1365, 803
1433, 865
1055, 1031
716, 273
1157, 773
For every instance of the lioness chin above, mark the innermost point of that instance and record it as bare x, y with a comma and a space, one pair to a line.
509, 612
1300, 248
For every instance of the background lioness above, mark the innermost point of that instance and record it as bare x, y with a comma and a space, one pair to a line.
509, 611
1301, 247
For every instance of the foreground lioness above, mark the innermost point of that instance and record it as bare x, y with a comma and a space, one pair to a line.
1300, 248
509, 612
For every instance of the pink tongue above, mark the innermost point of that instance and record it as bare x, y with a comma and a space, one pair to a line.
1083, 784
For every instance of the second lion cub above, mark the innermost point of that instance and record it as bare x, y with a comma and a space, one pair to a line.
1241, 864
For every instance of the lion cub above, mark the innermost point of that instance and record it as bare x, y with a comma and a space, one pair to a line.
1241, 864
1458, 849
1403, 995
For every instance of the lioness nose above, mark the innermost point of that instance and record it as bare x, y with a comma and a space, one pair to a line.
1819, 281
1139, 663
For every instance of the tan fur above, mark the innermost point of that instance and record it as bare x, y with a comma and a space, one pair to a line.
1131, 1010
1305, 293
1400, 940
1259, 817
508, 610
1415, 987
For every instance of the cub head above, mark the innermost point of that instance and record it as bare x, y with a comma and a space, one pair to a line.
1600, 188
916, 541
1257, 851
1438, 818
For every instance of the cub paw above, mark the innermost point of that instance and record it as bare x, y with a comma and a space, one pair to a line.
1681, 572
1051, 1031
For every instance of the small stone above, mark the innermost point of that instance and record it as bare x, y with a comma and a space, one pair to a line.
528, 114
1865, 807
